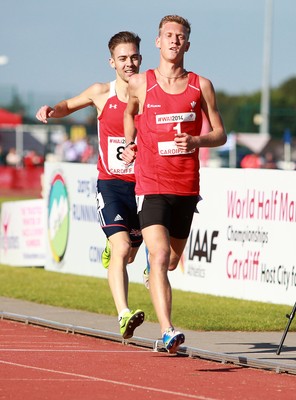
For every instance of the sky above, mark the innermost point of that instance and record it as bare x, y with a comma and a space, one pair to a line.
58, 48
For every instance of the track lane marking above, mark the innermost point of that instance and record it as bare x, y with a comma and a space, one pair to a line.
74, 351
93, 378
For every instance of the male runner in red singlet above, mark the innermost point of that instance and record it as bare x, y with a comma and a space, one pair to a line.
165, 104
116, 203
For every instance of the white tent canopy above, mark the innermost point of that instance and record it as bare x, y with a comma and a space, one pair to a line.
254, 141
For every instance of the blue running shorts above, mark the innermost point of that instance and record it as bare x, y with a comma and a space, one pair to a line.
117, 209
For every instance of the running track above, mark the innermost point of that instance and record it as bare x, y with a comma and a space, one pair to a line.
38, 363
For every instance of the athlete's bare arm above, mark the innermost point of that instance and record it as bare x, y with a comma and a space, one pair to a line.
137, 93
95, 95
217, 136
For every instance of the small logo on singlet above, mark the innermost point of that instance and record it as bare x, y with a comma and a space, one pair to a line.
118, 218
153, 106
113, 106
193, 104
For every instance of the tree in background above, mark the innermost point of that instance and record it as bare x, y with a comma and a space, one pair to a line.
238, 111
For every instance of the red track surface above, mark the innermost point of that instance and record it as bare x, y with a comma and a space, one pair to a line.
39, 363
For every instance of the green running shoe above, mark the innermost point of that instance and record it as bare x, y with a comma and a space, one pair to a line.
129, 322
106, 255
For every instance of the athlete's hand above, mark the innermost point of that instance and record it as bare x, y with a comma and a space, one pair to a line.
44, 113
185, 142
129, 154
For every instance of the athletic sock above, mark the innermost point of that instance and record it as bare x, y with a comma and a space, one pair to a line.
122, 312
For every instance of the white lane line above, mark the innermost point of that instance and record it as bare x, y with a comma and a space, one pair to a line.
74, 351
93, 378
23, 336
41, 380
40, 344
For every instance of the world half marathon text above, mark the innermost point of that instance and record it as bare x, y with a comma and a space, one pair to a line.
261, 205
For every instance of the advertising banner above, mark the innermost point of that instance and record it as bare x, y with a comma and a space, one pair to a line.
22, 233
241, 243
73, 233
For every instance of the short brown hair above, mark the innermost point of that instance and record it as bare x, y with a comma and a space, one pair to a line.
178, 20
124, 37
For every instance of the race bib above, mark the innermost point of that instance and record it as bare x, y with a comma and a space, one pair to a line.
175, 118
170, 149
116, 165
178, 121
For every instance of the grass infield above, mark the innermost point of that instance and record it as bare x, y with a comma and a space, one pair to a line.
190, 310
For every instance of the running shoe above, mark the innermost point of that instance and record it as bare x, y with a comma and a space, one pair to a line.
172, 340
146, 270
129, 322
146, 278
106, 255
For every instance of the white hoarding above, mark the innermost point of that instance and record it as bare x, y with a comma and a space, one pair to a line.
75, 239
241, 242
22, 234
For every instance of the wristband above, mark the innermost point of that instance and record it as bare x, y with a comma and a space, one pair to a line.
130, 143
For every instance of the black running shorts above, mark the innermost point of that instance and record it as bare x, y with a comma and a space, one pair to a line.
172, 211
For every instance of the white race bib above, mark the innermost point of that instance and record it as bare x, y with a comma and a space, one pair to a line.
171, 149
175, 118
116, 146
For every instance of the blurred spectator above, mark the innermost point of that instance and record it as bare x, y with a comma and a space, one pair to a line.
88, 154
12, 158
251, 161
32, 159
80, 147
69, 151
73, 150
269, 161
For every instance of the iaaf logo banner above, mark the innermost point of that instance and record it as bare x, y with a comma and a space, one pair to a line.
202, 245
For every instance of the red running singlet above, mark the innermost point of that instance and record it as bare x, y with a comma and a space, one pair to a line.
111, 141
161, 168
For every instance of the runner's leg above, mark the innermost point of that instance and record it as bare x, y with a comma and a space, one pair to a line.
157, 241
117, 273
